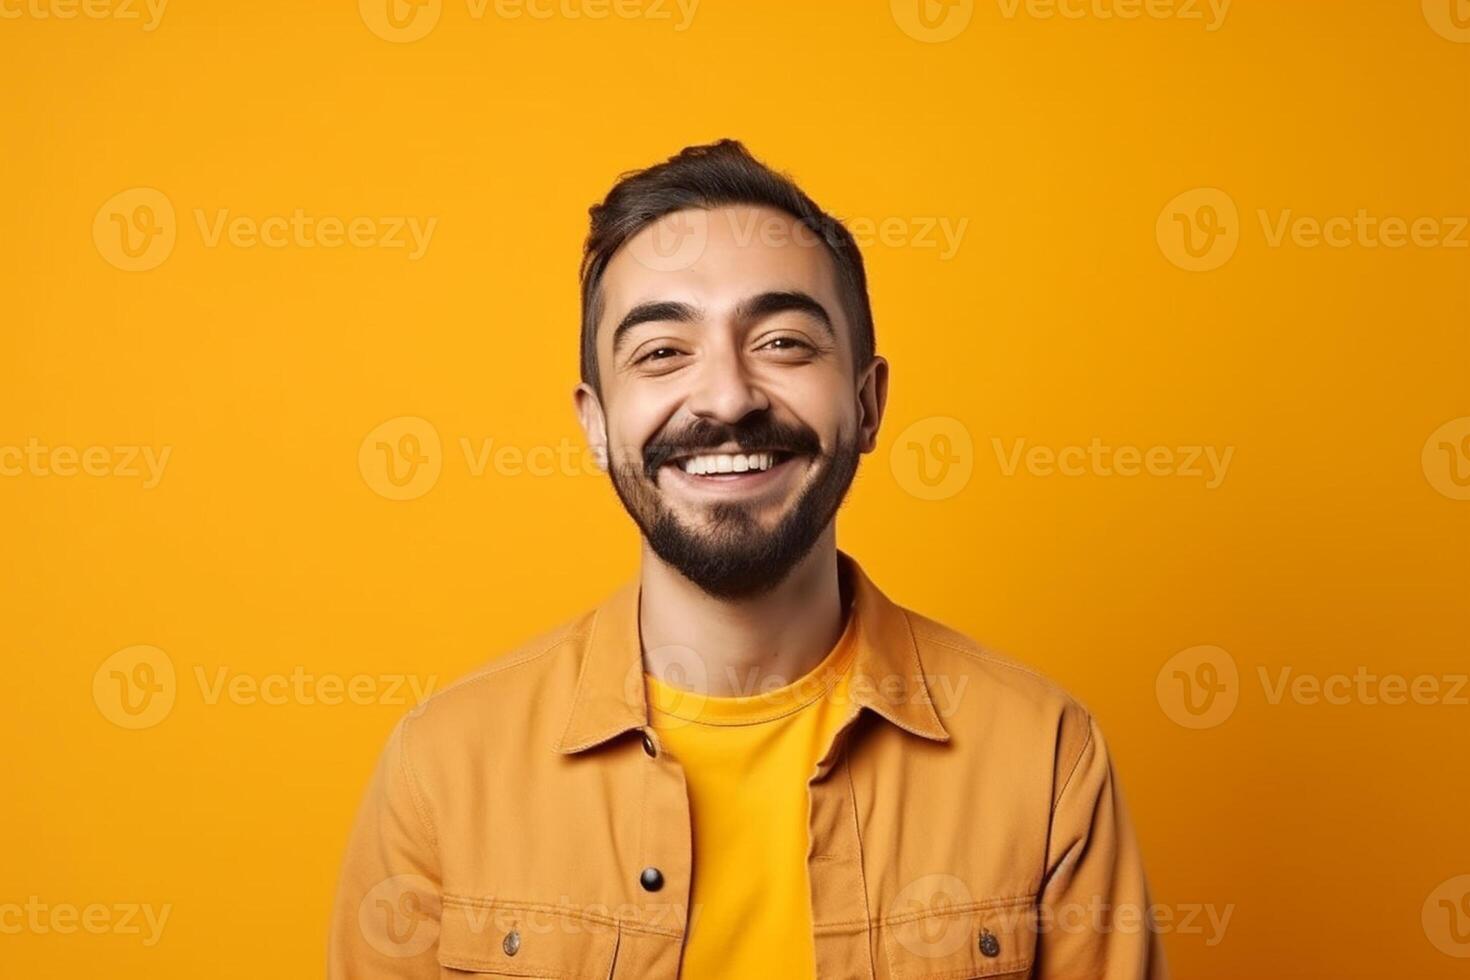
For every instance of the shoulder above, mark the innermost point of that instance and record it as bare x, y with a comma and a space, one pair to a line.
506, 692
976, 689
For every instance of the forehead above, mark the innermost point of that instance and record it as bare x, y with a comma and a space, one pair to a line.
713, 259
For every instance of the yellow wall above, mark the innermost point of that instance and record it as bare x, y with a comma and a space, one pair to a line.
1063, 308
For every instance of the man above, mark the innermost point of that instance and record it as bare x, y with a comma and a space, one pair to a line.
747, 763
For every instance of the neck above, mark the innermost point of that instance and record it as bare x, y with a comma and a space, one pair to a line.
741, 646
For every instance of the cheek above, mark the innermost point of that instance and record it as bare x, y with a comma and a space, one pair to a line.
833, 421
629, 428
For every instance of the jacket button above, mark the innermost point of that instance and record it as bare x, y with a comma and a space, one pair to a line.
652, 879
512, 943
989, 945
648, 746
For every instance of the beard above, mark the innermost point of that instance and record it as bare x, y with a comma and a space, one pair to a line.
733, 556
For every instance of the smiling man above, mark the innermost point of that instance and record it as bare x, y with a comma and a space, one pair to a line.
748, 762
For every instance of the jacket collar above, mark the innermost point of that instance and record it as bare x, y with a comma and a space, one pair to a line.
888, 678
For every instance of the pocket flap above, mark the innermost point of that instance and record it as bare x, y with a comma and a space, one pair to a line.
506, 940
981, 940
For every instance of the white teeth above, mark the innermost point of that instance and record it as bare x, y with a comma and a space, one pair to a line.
728, 463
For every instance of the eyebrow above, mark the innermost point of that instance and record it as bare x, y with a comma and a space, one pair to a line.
755, 308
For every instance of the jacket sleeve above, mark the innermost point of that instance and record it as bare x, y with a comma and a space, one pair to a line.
385, 920
1095, 921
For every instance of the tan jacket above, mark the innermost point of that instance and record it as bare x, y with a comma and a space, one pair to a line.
965, 822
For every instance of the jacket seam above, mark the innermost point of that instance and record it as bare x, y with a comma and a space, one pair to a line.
504, 663
990, 658
630, 925
857, 832
918, 662
1015, 901
581, 676
1076, 764
415, 791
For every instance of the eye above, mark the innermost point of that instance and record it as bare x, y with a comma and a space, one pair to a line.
657, 354
786, 343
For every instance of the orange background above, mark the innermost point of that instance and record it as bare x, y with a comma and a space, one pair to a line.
1332, 543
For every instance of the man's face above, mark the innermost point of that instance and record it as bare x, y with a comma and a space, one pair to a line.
730, 414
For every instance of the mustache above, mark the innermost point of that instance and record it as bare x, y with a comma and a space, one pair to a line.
756, 433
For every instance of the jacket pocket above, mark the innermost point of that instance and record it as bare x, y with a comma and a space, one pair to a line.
508, 940
986, 939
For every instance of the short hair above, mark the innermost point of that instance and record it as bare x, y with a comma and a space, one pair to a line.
712, 175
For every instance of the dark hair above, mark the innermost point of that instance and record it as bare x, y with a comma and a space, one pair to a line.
709, 176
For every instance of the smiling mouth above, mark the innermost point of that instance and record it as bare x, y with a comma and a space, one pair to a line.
721, 467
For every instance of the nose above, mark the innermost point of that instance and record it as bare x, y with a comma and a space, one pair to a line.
724, 391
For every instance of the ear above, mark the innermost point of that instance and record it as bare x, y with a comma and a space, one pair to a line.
872, 398
594, 422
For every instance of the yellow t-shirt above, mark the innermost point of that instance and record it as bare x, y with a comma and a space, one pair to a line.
747, 760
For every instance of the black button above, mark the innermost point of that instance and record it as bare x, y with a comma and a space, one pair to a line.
989, 945
648, 746
652, 879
